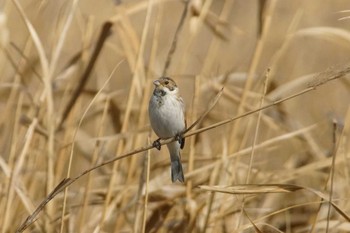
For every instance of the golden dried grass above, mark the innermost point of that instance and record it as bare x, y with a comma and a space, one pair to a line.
259, 158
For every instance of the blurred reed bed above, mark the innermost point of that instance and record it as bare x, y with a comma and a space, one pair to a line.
270, 154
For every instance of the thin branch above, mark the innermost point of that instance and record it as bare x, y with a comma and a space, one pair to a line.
334, 152
105, 32
211, 106
174, 43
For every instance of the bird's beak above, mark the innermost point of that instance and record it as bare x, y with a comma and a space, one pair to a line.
156, 83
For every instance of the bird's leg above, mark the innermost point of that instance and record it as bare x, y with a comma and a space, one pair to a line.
157, 144
181, 140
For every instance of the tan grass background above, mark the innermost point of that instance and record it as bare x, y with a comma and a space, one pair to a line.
284, 169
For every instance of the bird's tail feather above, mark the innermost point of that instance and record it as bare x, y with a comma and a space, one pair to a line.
176, 171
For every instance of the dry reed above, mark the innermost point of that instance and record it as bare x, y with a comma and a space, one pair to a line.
263, 153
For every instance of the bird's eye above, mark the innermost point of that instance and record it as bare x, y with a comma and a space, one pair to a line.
166, 82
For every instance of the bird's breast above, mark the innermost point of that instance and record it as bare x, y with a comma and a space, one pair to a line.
166, 115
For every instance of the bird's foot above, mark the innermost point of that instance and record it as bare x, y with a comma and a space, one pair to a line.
157, 144
181, 140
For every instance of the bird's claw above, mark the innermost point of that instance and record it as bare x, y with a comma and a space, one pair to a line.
157, 144
181, 140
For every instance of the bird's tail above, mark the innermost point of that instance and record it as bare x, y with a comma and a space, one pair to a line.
176, 171
176, 166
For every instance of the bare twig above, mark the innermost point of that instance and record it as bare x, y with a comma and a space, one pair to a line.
105, 32
211, 106
174, 43
334, 152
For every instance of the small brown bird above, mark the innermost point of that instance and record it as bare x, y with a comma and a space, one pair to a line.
167, 116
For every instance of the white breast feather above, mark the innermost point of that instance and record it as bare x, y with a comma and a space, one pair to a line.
167, 118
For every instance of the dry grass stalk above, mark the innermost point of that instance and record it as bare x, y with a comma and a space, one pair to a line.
65, 183
249, 167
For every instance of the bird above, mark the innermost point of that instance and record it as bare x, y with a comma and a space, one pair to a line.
167, 117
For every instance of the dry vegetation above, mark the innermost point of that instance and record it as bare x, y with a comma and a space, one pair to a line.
73, 97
